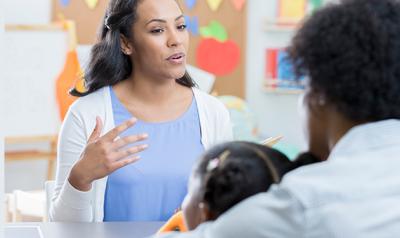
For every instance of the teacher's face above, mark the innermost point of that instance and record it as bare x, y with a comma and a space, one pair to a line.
160, 39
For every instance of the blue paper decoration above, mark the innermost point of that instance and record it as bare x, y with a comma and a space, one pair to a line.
190, 4
192, 24
64, 3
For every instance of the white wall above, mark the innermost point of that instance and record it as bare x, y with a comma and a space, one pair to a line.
2, 218
276, 114
27, 11
21, 113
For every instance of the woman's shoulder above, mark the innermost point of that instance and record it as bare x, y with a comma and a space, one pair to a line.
92, 101
210, 102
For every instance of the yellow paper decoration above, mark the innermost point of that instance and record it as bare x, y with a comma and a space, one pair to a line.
91, 3
214, 4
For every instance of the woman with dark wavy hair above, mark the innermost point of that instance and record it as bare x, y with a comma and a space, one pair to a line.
136, 79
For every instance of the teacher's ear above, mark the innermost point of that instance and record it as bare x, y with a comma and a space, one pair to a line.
126, 45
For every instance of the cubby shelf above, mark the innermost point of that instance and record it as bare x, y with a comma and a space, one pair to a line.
279, 86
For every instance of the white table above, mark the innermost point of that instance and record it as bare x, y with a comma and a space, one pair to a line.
81, 230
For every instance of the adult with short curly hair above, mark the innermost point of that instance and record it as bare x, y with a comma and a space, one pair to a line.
350, 53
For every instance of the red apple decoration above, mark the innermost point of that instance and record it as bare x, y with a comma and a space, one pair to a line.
219, 58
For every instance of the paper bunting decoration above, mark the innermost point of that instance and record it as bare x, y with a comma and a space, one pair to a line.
214, 30
192, 25
190, 4
219, 58
64, 3
214, 4
238, 4
91, 3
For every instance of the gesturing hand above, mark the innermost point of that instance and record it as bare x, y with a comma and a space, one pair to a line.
103, 155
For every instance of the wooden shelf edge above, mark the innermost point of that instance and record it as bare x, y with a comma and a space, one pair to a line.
35, 27
281, 25
283, 91
28, 155
30, 139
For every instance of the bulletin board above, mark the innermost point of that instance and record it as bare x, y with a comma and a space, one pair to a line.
235, 23
232, 19
87, 20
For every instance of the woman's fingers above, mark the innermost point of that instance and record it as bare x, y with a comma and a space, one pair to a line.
111, 135
128, 140
121, 154
96, 131
121, 163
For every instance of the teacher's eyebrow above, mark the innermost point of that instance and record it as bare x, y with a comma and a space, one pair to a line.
162, 20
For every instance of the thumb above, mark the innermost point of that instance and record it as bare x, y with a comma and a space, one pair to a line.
96, 131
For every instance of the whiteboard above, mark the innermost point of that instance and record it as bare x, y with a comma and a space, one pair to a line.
32, 62
27, 11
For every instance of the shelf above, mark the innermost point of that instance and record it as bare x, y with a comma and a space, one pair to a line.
32, 154
35, 27
279, 90
281, 25
279, 86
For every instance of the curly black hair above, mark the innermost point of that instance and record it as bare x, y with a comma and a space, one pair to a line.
350, 51
247, 169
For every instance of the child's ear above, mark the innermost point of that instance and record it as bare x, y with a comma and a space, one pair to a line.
206, 213
126, 45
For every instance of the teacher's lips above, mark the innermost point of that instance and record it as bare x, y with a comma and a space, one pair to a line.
176, 58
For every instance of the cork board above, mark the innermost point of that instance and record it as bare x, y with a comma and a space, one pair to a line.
235, 24
234, 21
87, 21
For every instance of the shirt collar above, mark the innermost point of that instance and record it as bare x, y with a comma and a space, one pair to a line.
368, 136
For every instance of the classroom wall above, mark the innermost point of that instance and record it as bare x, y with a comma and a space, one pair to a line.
27, 11
276, 114
2, 218
25, 175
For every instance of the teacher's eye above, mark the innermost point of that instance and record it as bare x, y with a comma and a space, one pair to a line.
182, 27
157, 31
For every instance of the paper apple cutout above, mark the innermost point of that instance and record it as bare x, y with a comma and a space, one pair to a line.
219, 58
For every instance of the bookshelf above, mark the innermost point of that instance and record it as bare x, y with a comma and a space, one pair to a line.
281, 86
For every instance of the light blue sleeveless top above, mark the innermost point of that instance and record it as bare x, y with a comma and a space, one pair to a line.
152, 188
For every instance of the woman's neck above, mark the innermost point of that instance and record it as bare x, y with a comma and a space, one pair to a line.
148, 91
339, 126
154, 101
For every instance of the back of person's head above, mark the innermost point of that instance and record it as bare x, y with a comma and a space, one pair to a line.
350, 51
234, 171
231, 172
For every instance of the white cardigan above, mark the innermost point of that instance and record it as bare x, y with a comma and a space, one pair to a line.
70, 204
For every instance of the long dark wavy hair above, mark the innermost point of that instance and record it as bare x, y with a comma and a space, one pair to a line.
108, 65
